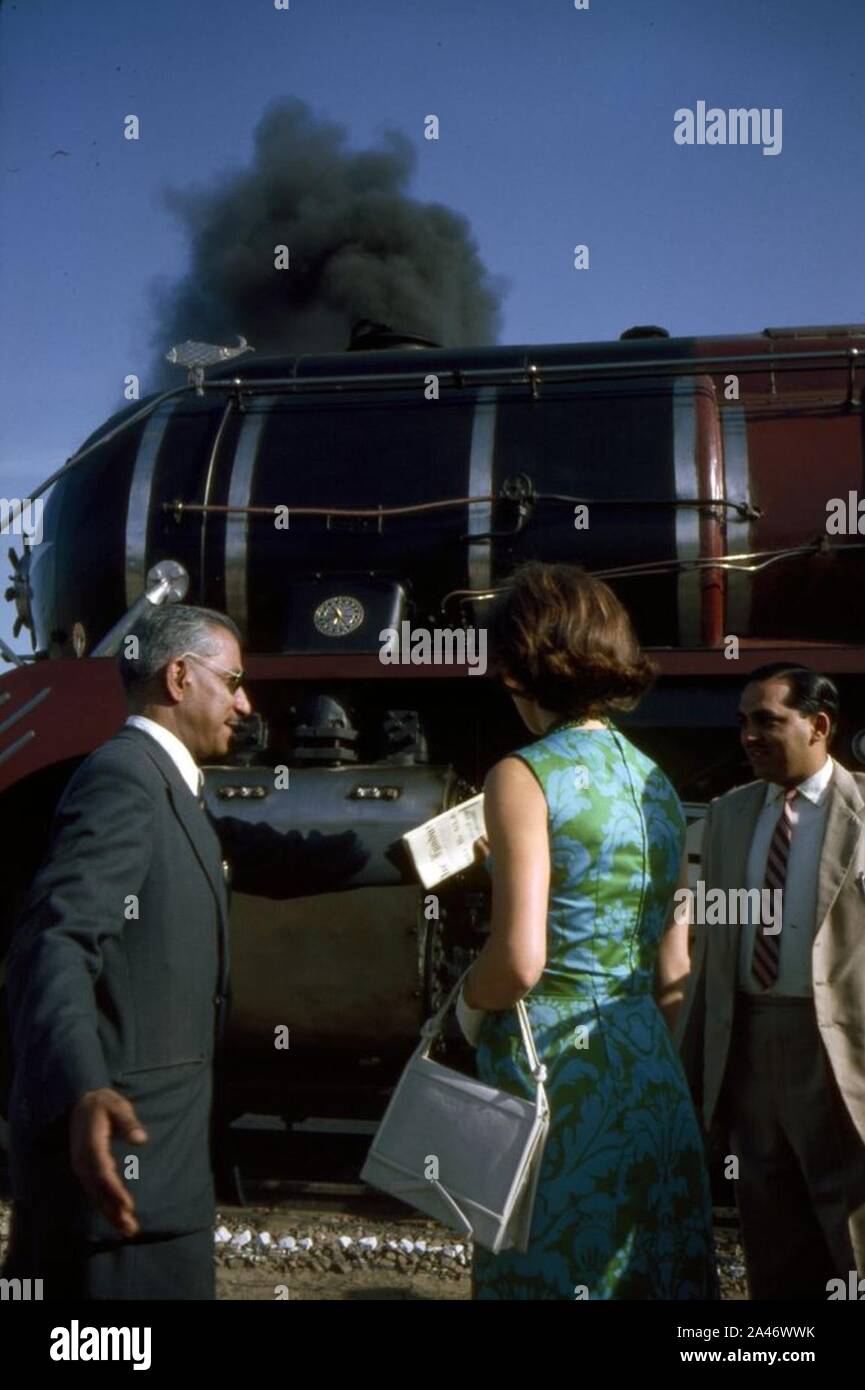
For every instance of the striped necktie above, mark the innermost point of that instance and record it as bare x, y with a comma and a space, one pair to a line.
766, 960
201, 791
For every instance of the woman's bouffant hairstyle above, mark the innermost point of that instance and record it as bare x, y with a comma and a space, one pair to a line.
565, 638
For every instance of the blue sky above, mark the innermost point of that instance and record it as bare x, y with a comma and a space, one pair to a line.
556, 128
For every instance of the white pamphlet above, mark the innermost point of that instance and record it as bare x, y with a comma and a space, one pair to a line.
445, 845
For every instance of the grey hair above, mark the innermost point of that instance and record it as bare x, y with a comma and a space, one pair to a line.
166, 633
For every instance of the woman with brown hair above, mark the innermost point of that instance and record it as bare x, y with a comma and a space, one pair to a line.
587, 848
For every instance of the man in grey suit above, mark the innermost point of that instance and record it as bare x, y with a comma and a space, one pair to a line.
773, 1028
117, 982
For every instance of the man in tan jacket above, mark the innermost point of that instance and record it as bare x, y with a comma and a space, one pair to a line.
772, 1032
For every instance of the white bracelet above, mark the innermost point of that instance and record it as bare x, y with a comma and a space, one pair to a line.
470, 1020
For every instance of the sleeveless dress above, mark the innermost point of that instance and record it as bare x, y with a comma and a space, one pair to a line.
623, 1207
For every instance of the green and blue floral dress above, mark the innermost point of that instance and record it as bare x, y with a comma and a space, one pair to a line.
623, 1208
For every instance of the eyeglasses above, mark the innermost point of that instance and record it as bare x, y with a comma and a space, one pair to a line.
234, 679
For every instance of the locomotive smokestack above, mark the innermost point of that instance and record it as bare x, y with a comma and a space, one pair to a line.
366, 335
357, 247
644, 330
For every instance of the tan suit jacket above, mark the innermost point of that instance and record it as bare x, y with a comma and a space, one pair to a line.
837, 958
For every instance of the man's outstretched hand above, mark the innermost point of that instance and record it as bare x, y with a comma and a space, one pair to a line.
96, 1117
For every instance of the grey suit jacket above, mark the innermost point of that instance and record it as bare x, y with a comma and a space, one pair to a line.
705, 1025
117, 976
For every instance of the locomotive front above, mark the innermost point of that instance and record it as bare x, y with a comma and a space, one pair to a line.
354, 514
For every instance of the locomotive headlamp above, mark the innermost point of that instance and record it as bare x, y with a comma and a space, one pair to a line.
167, 582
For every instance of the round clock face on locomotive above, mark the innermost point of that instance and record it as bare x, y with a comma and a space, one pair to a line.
338, 616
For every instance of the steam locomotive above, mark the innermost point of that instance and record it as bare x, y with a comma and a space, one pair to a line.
322, 500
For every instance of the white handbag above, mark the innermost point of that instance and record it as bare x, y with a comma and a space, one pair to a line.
459, 1150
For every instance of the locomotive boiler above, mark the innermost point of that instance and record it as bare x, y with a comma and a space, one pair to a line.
325, 501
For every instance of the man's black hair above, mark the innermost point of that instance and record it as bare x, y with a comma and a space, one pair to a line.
809, 692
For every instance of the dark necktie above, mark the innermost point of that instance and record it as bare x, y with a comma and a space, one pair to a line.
766, 960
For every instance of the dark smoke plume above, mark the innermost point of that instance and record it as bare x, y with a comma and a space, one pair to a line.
359, 247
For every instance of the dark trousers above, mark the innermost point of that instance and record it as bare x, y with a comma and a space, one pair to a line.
71, 1267
801, 1185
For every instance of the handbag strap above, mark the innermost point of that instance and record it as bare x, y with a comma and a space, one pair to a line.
433, 1026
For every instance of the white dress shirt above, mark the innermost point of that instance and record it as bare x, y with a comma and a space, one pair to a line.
799, 902
177, 751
